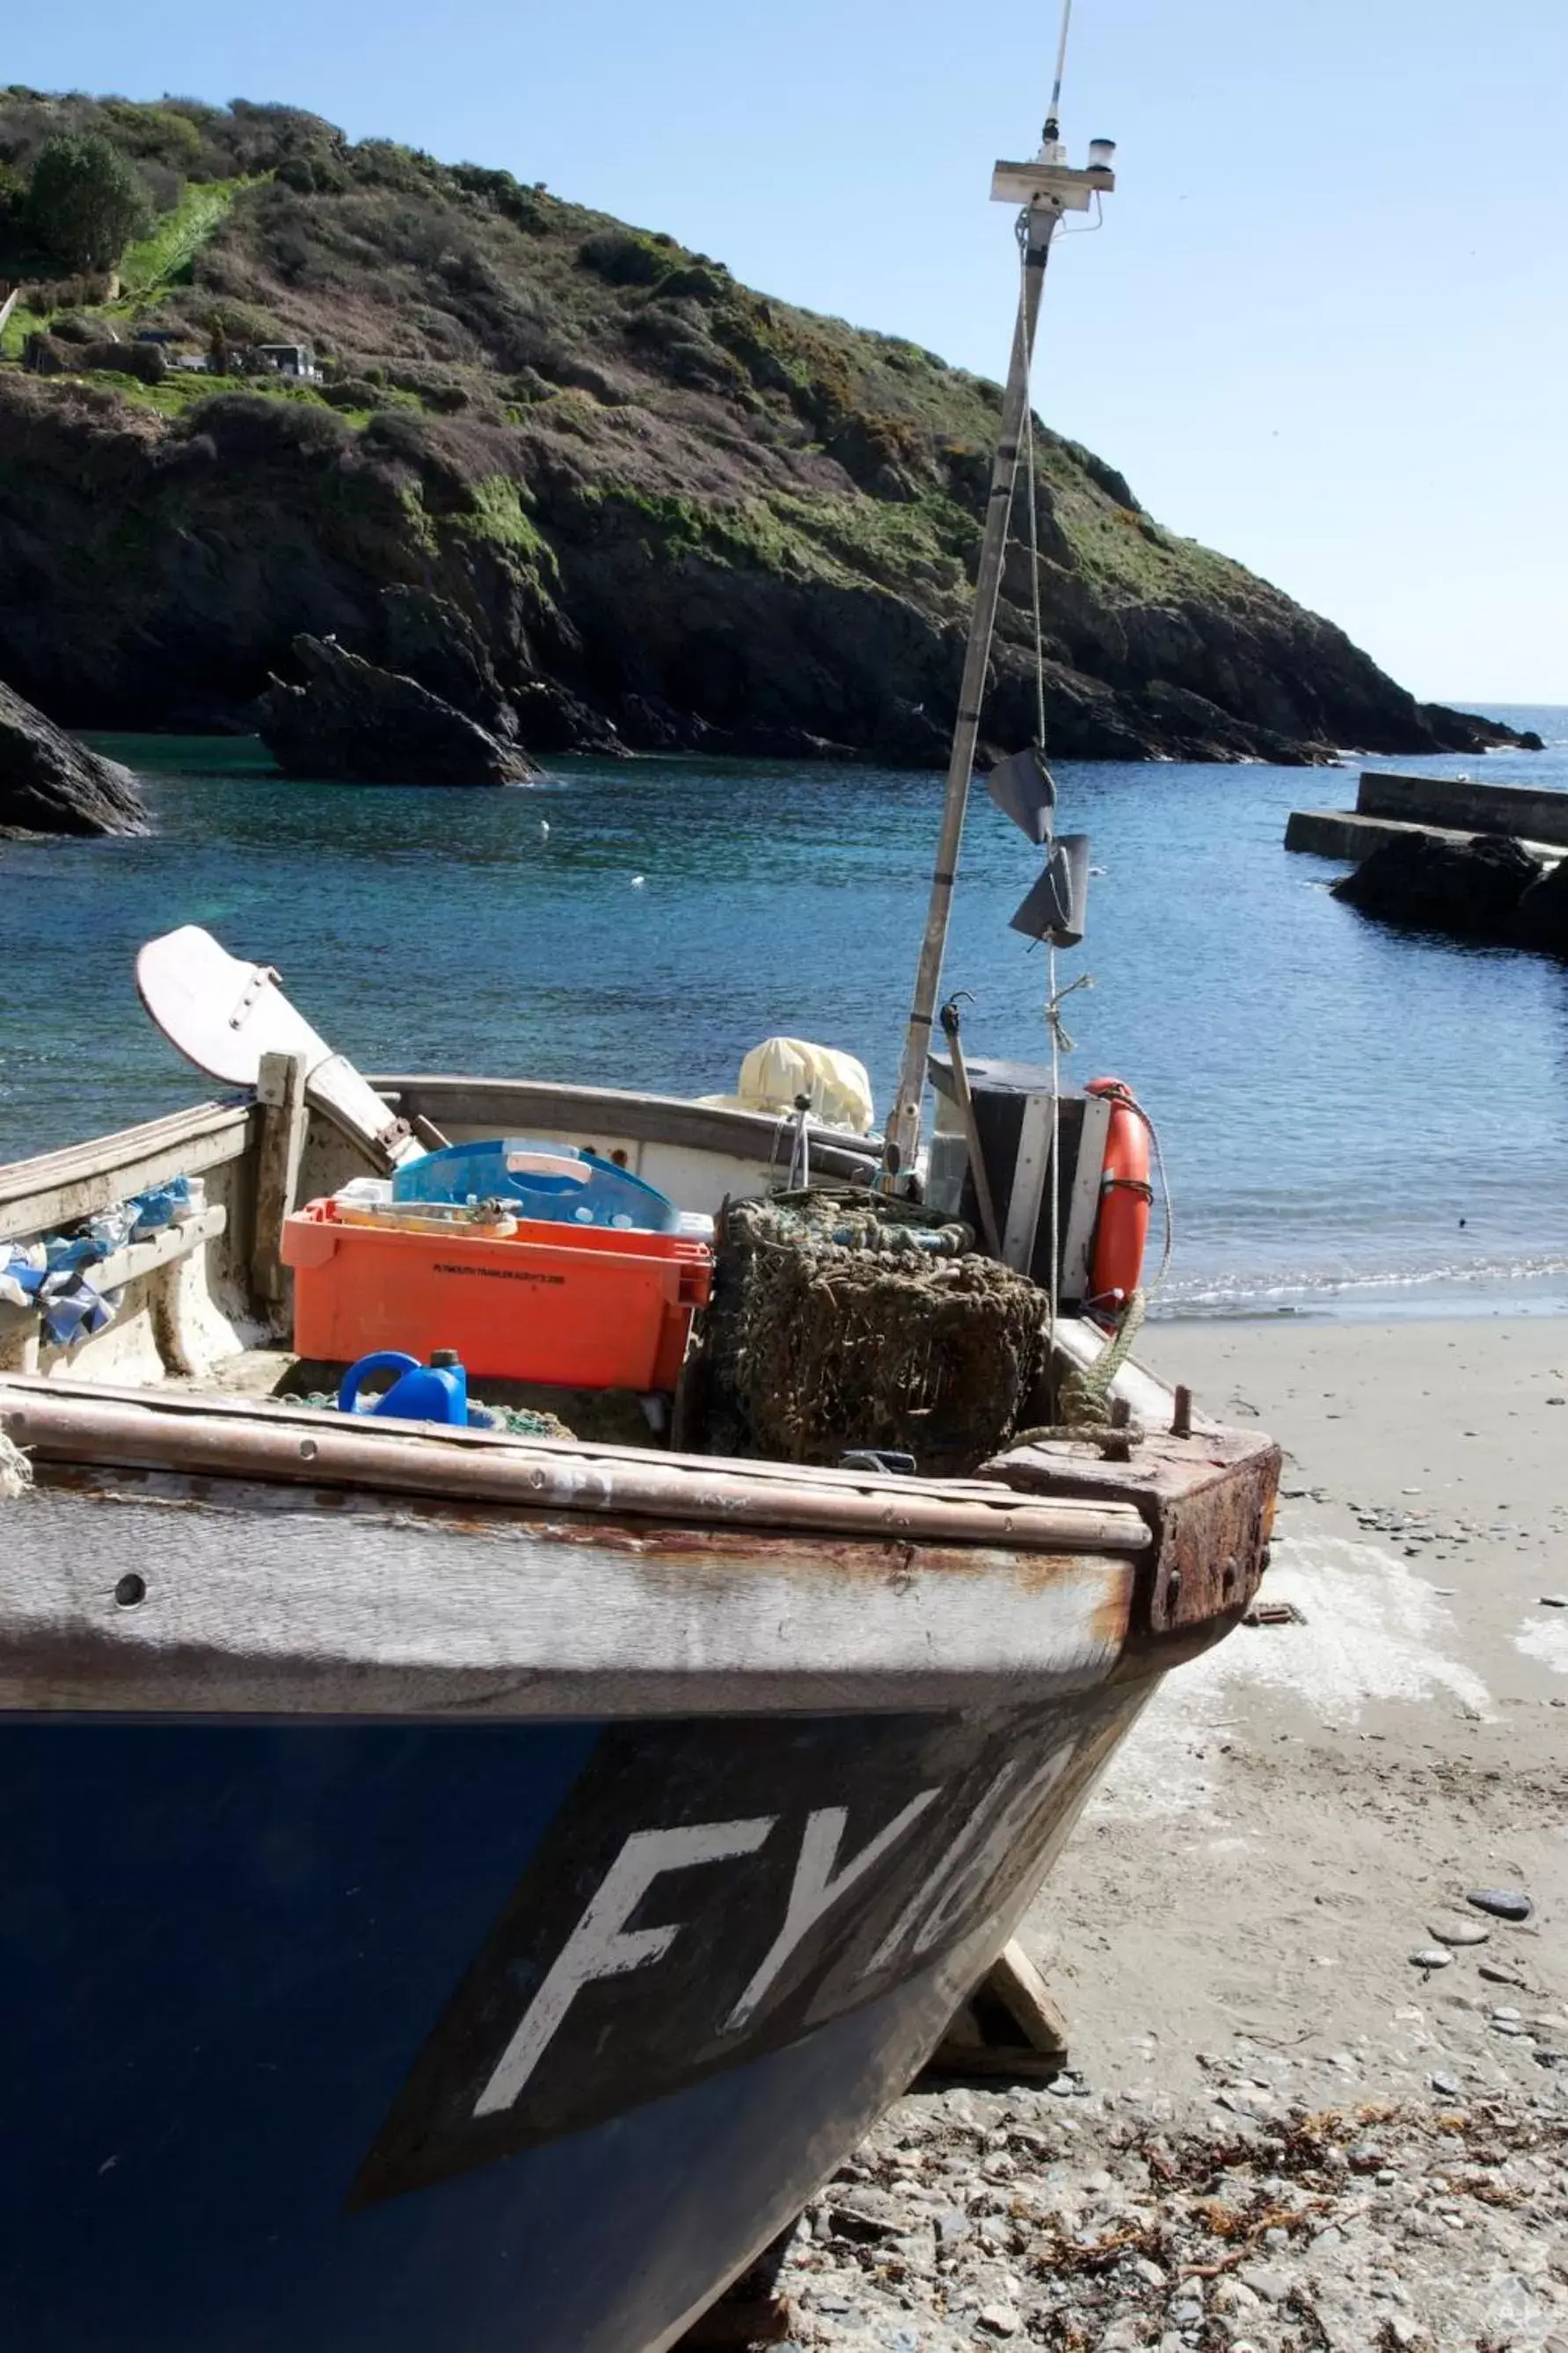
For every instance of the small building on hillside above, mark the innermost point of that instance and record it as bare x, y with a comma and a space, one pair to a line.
297, 359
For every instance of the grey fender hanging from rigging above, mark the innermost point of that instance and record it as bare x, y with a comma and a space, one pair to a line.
1056, 909
1024, 789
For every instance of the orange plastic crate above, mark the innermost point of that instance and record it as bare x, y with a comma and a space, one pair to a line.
575, 1306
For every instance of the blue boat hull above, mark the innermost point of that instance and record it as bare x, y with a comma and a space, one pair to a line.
322, 2036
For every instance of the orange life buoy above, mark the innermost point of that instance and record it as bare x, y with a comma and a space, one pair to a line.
1121, 1226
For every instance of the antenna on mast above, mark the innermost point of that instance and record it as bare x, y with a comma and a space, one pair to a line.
1051, 135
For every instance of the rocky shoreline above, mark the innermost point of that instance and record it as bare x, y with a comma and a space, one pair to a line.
610, 617
1291, 2216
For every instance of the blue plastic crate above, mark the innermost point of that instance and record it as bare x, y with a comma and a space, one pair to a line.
539, 1180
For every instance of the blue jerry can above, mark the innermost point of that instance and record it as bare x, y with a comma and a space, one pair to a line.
437, 1391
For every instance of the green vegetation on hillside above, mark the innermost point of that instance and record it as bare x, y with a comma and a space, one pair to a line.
463, 289
85, 199
645, 497
164, 256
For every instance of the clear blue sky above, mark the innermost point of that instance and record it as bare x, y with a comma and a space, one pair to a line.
1324, 328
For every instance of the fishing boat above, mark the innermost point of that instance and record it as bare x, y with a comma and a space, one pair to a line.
470, 1885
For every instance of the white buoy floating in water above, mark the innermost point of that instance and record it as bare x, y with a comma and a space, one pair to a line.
544, 829
638, 881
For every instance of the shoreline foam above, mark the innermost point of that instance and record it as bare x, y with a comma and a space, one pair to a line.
1454, 1293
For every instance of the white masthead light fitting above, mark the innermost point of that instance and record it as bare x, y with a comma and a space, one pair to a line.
1051, 181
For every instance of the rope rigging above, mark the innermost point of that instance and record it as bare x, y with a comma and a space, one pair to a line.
1085, 1394
1060, 1043
1048, 188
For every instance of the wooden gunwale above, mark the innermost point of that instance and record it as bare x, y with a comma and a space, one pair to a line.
209, 1436
38, 1195
506, 1103
151, 1593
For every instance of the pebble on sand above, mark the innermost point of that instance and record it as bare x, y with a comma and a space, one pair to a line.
1450, 1931
1502, 1902
1431, 1956
998, 2320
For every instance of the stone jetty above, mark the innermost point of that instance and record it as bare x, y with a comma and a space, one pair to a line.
1444, 854
1390, 808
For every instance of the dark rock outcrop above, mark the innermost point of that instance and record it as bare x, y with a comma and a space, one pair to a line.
1466, 730
1541, 918
352, 724
51, 784
1471, 889
426, 637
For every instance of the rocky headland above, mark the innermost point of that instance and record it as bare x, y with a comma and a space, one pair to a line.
570, 477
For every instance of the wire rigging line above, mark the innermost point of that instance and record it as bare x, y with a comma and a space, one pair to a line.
1053, 1290
1059, 1035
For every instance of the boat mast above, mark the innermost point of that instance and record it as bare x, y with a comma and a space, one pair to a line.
1045, 188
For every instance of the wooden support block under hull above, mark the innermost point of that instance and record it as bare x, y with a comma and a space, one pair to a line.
1009, 2027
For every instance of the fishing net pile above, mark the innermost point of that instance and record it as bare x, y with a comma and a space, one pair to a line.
842, 1320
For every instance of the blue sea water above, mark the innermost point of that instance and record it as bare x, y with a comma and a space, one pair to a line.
1348, 1115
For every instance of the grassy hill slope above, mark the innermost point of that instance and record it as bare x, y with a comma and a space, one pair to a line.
571, 466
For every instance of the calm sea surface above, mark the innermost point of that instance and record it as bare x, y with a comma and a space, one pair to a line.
1349, 1117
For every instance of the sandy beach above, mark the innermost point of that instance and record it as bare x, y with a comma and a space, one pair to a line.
1280, 2132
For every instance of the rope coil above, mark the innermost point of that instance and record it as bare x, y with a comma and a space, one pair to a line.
1084, 1397
15, 1470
